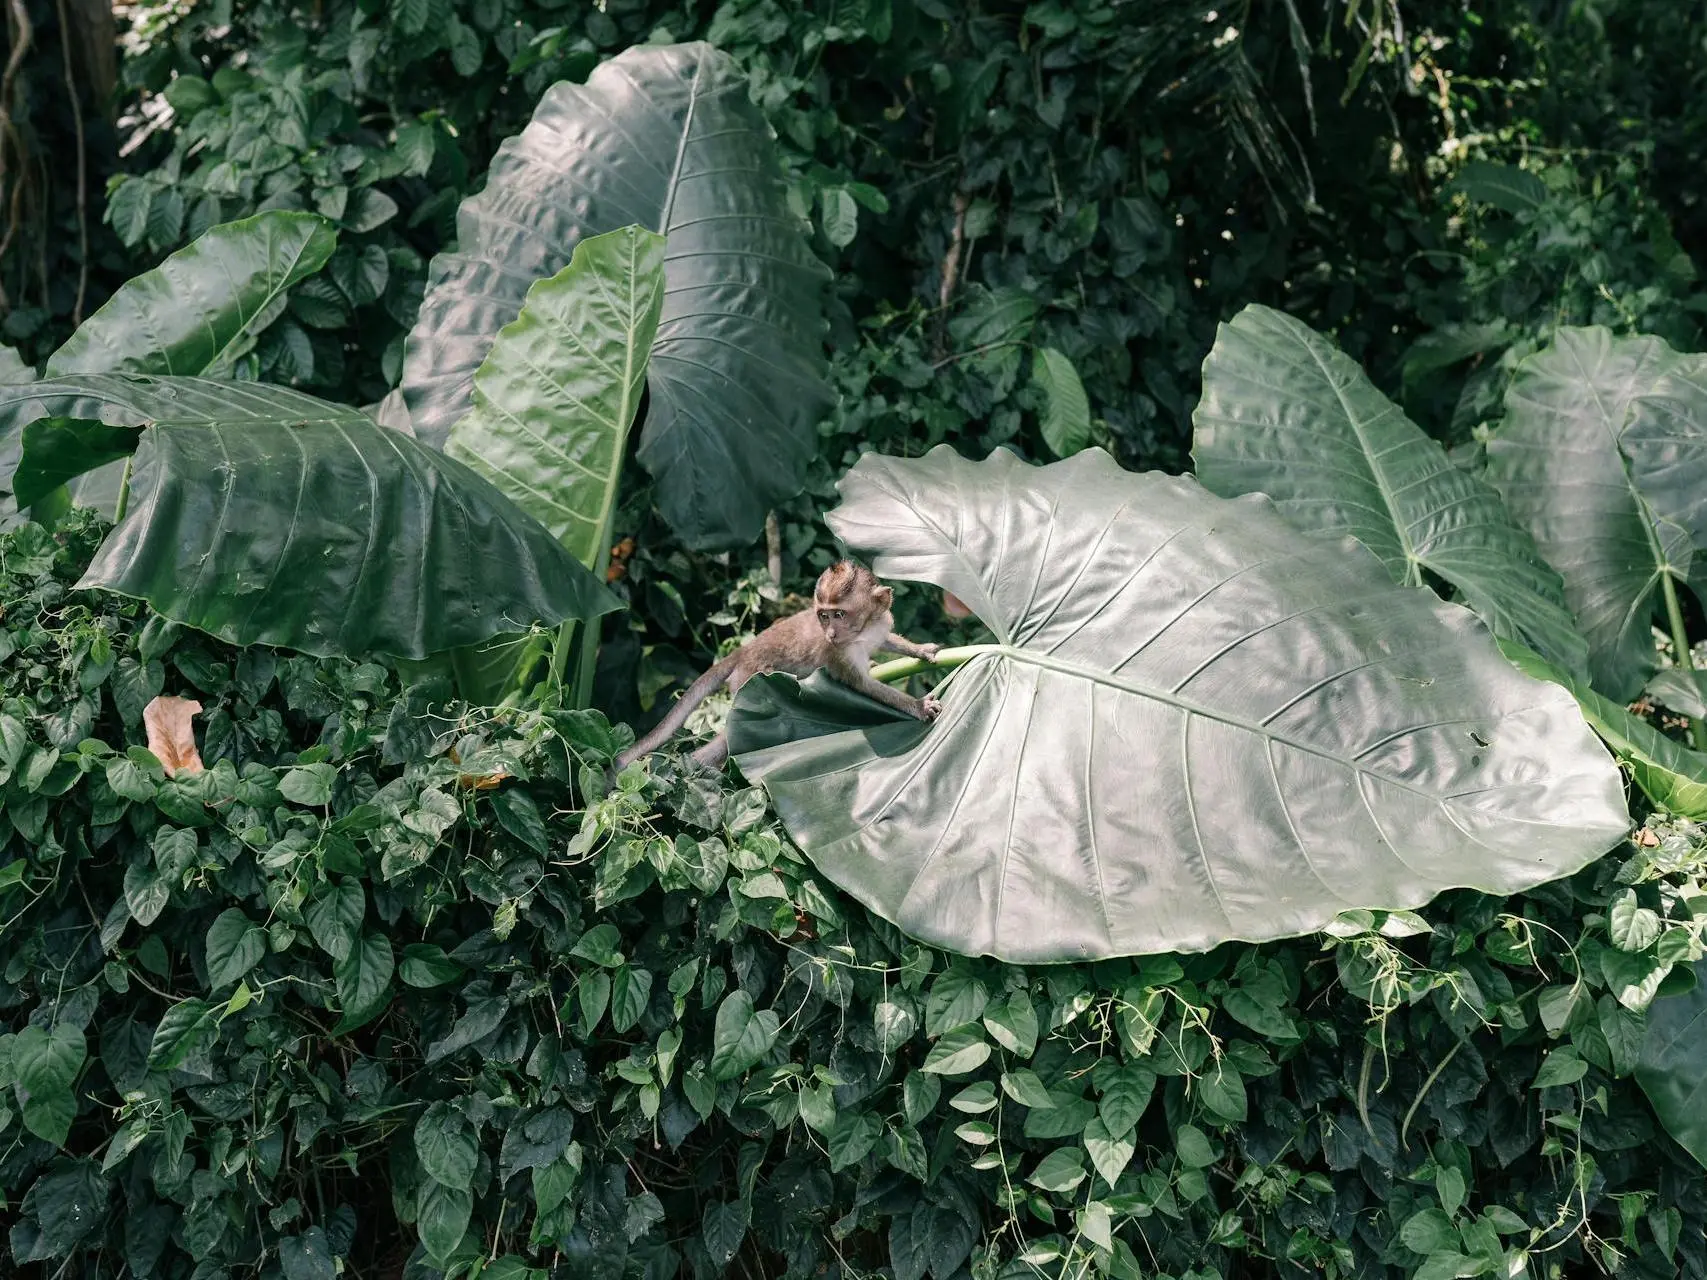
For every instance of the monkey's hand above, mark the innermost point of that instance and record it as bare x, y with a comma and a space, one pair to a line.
929, 651
929, 707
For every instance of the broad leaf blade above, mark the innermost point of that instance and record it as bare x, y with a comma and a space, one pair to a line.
199, 309
1674, 1045
1669, 773
555, 398
1199, 725
1503, 186
1066, 411
736, 376
1286, 413
56, 450
1556, 461
1665, 446
265, 516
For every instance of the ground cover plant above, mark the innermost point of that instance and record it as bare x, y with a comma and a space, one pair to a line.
383, 984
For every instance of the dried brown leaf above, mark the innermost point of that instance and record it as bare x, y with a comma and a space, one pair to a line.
171, 737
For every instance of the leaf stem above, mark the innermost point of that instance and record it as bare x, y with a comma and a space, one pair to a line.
946, 660
1680, 643
123, 503
560, 654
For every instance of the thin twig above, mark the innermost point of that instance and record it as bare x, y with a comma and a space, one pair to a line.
23, 36
951, 270
82, 167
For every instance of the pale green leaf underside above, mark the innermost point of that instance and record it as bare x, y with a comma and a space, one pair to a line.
1556, 461
1665, 446
555, 398
1286, 413
1199, 725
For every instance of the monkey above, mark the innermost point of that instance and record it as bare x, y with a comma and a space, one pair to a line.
848, 622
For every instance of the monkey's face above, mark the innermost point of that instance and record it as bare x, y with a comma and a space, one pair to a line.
847, 600
841, 623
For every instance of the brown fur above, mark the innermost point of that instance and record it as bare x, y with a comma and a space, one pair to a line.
848, 622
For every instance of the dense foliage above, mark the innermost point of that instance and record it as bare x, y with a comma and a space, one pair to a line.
382, 972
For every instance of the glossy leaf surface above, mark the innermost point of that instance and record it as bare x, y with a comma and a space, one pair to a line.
1197, 724
56, 450
555, 398
262, 515
663, 137
1665, 447
1674, 1046
1669, 773
1556, 461
202, 307
1286, 413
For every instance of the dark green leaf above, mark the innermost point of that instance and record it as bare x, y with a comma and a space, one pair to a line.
631, 987
193, 313
1673, 1049
207, 540
335, 915
426, 966
56, 450
445, 1144
441, 1216
307, 1256
1504, 186
736, 384
1066, 411
363, 981
960, 1052
235, 945
742, 1036
1110, 1149
45, 1064
723, 1229
1286, 413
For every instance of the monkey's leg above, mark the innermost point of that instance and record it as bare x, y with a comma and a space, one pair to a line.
898, 643
714, 753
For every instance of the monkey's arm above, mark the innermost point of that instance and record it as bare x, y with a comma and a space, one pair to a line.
898, 643
925, 708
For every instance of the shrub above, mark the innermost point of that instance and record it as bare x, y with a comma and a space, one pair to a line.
383, 973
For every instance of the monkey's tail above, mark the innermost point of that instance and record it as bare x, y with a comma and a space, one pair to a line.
714, 678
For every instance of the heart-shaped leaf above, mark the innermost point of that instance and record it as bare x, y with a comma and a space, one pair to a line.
736, 375
1556, 461
1286, 413
1198, 724
266, 516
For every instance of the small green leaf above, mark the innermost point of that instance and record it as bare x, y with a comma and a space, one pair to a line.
363, 980
1632, 926
1025, 1088
335, 917
1561, 1066
601, 945
593, 993
309, 784
841, 216
44, 1068
1195, 1151
1449, 1186
723, 1229
958, 1053
425, 965
851, 1139
1429, 1231
307, 1256
1066, 411
894, 1024
445, 1143
1110, 1152
185, 1028
1221, 1090
441, 1216
1061, 1170
1125, 1095
956, 998
631, 987
145, 891
235, 945
741, 1036
1013, 1025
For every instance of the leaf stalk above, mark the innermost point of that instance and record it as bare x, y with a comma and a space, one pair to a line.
1680, 644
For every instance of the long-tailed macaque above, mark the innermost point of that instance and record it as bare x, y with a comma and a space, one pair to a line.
848, 622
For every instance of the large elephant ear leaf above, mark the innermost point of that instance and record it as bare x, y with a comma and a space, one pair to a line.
736, 376
1669, 773
265, 516
1199, 724
1556, 461
1665, 447
554, 400
1286, 413
202, 307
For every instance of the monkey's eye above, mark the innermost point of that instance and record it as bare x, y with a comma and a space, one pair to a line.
839, 615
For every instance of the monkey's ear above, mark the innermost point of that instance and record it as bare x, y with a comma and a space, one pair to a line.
882, 597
